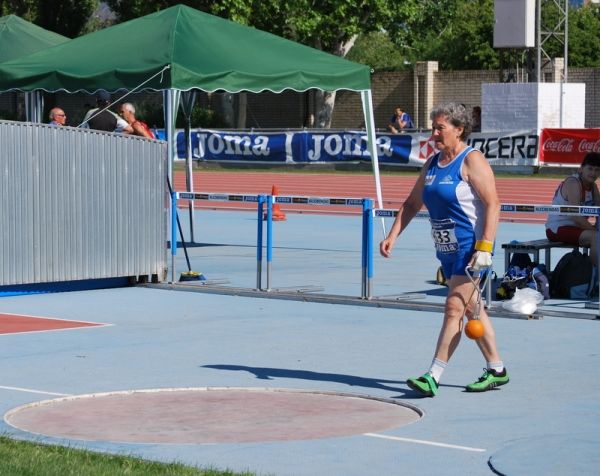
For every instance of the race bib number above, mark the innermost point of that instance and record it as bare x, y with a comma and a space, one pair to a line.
444, 236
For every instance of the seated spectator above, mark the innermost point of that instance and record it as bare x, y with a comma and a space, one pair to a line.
579, 189
105, 120
400, 121
476, 119
57, 117
139, 128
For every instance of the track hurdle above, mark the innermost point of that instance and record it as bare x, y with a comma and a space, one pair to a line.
366, 205
268, 201
385, 213
218, 197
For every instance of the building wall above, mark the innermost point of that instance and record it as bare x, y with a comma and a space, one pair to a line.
389, 90
526, 106
291, 109
461, 86
591, 78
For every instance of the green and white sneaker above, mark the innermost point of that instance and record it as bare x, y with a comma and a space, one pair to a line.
426, 385
489, 380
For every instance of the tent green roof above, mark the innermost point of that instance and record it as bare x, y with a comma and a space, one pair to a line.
20, 38
200, 50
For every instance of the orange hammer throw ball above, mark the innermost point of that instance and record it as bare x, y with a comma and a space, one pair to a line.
474, 329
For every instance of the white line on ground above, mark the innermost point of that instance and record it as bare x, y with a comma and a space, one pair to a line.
425, 442
30, 390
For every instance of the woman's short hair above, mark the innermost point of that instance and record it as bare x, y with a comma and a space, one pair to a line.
456, 114
591, 158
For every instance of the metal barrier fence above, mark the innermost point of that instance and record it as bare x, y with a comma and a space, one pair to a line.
79, 204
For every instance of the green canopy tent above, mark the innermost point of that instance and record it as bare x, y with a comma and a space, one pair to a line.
20, 38
181, 49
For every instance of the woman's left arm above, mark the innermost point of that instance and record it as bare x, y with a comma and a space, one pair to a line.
478, 173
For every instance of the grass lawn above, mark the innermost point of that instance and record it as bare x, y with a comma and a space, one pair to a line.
33, 459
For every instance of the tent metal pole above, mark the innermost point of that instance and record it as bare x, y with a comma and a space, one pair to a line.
188, 99
168, 114
168, 111
34, 106
367, 103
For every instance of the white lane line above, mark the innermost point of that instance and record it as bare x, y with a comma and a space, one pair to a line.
425, 442
30, 390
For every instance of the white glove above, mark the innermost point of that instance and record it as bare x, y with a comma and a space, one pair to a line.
481, 260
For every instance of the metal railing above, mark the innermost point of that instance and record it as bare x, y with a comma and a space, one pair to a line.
79, 204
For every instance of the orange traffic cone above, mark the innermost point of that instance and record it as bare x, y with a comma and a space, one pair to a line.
277, 214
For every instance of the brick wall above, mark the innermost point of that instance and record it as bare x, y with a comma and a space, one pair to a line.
461, 86
591, 78
390, 89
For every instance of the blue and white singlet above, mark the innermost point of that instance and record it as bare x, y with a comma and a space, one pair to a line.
456, 212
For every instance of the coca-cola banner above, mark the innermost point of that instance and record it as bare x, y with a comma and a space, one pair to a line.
567, 146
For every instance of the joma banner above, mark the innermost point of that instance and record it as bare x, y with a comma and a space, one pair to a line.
407, 149
295, 147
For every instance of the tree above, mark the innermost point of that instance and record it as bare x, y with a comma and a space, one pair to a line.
26, 9
456, 33
377, 50
467, 43
459, 34
333, 26
66, 17
584, 42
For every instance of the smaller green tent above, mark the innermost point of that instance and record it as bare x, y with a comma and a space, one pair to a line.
20, 38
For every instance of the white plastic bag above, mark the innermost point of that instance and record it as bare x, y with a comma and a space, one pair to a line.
525, 301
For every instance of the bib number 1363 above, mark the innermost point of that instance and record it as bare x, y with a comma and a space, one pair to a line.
444, 237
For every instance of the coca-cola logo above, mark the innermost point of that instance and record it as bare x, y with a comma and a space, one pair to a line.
589, 145
561, 145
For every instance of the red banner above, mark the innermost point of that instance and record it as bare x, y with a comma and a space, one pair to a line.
567, 146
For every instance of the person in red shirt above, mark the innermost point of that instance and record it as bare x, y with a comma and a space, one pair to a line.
140, 128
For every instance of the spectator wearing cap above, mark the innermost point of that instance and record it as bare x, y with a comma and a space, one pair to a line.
57, 117
102, 120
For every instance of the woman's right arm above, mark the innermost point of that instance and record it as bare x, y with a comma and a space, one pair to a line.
407, 211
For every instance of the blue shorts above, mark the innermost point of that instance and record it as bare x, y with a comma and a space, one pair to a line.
456, 266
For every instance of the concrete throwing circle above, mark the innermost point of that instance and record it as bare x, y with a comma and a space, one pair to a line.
210, 415
551, 454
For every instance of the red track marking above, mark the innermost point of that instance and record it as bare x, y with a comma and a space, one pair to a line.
18, 324
395, 189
